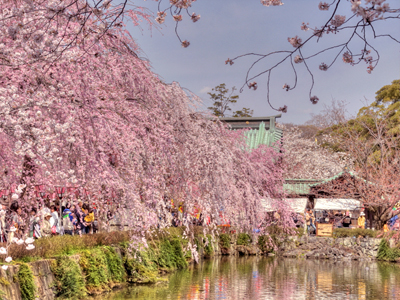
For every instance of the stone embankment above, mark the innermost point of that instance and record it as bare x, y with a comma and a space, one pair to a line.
43, 279
101, 268
349, 248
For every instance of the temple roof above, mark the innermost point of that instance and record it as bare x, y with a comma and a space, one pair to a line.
299, 186
262, 130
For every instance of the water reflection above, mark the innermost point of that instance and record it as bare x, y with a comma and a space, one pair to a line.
268, 278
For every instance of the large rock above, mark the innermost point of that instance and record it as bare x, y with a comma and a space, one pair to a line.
331, 248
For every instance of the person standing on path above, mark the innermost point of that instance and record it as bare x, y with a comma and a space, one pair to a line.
361, 220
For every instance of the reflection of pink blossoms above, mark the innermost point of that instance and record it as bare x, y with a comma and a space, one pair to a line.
295, 41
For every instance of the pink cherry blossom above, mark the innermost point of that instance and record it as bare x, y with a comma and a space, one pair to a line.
295, 41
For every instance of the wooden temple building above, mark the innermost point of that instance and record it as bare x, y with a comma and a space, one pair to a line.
341, 192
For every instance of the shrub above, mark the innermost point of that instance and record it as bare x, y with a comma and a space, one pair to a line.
264, 243
115, 265
243, 239
94, 265
171, 255
26, 282
69, 279
142, 266
387, 253
225, 240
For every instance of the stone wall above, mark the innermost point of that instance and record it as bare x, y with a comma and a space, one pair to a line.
330, 248
43, 277
299, 247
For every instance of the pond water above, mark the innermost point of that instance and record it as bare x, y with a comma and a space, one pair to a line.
272, 278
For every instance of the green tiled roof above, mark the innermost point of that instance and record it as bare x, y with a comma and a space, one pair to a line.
336, 177
303, 186
261, 130
262, 136
299, 186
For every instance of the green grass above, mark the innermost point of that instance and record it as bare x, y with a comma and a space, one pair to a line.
66, 245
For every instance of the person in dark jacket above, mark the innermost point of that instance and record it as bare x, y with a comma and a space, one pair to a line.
347, 220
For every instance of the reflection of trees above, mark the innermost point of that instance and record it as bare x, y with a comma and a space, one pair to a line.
267, 278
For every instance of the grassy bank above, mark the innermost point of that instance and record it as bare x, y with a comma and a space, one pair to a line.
96, 263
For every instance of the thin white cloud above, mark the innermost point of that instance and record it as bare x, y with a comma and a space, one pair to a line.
205, 90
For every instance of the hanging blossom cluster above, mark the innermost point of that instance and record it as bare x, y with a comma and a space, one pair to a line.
28, 242
177, 7
91, 116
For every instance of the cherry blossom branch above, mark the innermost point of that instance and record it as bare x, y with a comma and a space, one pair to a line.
334, 24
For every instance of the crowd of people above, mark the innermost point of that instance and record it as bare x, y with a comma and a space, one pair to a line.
45, 220
48, 219
338, 219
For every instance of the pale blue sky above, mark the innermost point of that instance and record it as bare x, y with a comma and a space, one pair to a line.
234, 27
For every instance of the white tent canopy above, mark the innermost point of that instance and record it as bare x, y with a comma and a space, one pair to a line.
336, 204
297, 204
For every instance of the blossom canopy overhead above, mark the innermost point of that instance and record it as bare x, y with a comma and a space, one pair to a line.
80, 109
